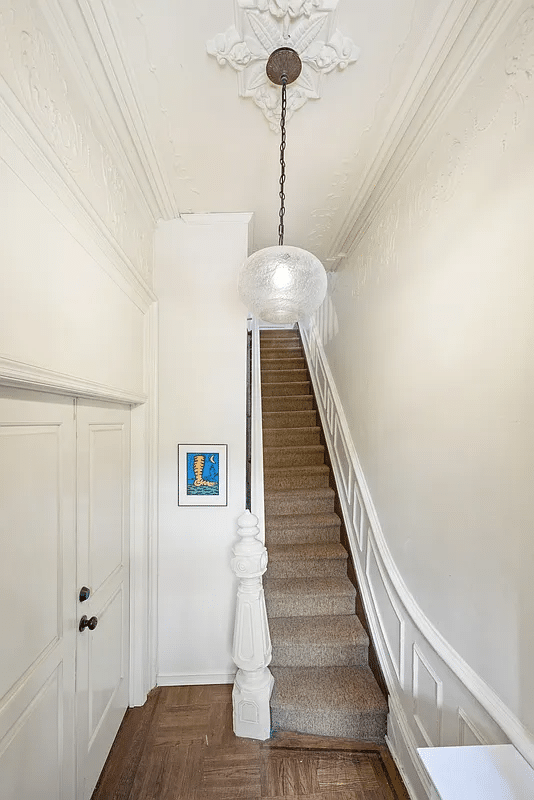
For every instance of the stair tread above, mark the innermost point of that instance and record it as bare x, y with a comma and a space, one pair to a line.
337, 630
309, 587
311, 551
352, 690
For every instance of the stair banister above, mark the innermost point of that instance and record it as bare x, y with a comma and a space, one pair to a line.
252, 643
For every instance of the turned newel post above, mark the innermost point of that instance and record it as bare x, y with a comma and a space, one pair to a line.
252, 644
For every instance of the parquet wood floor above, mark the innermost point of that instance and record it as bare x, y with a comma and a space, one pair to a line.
180, 746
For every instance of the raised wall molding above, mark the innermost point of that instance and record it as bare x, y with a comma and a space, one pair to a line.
308, 26
422, 648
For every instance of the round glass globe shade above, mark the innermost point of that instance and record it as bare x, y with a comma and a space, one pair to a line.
282, 283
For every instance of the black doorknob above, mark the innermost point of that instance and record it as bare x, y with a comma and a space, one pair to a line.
85, 593
88, 623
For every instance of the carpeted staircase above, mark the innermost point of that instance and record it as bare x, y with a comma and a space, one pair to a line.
323, 684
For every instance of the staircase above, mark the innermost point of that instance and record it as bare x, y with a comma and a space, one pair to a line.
323, 683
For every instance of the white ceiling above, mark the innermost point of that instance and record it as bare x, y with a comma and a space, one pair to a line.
215, 149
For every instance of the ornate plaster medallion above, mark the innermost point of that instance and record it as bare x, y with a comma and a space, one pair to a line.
264, 25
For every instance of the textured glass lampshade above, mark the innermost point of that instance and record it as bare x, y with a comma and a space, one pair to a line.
282, 284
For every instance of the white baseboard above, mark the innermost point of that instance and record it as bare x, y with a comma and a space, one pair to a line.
200, 679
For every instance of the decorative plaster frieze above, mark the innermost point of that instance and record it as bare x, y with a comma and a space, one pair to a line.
264, 25
35, 72
471, 34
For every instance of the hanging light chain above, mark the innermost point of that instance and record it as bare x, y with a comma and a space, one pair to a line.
282, 160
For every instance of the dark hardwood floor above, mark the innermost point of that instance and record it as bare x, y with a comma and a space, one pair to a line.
180, 746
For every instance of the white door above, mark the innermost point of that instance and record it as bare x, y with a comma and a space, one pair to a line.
37, 601
103, 454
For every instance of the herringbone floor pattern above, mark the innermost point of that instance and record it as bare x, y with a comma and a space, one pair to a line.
180, 746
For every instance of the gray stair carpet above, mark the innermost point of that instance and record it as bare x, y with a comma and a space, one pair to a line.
323, 683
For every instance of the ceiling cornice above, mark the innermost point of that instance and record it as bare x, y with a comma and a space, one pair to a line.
91, 28
458, 42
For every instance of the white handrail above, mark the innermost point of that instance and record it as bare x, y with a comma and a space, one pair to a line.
252, 643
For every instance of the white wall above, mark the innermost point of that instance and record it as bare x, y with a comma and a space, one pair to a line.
76, 235
202, 395
429, 333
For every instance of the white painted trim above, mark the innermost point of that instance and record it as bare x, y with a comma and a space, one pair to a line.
469, 28
143, 538
151, 374
102, 33
462, 686
26, 151
20, 375
403, 748
202, 679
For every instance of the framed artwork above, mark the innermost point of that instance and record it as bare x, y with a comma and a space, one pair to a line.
202, 474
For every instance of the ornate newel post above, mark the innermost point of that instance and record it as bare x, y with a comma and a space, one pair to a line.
252, 644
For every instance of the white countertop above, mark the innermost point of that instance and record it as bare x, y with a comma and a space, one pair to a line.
492, 772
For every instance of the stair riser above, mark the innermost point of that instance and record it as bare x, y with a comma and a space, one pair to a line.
298, 505
288, 389
297, 457
282, 363
300, 535
294, 403
288, 655
281, 351
289, 419
355, 726
282, 333
301, 437
297, 605
303, 481
308, 568
284, 375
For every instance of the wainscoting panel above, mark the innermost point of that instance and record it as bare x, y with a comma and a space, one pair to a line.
435, 698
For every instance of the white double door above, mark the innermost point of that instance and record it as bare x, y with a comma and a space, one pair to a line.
64, 526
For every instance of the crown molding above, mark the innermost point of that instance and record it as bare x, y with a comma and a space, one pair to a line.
459, 42
88, 34
27, 152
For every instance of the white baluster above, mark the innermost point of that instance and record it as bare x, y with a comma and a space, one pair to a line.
252, 644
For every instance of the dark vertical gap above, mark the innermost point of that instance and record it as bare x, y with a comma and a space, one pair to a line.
249, 422
374, 663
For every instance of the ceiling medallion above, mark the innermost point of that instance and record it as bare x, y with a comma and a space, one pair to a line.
263, 26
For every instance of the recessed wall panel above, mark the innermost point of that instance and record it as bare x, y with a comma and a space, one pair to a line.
106, 668
389, 616
427, 699
31, 762
30, 539
106, 506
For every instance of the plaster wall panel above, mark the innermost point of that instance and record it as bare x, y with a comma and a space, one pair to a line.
202, 392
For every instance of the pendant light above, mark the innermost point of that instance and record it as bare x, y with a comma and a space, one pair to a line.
282, 284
